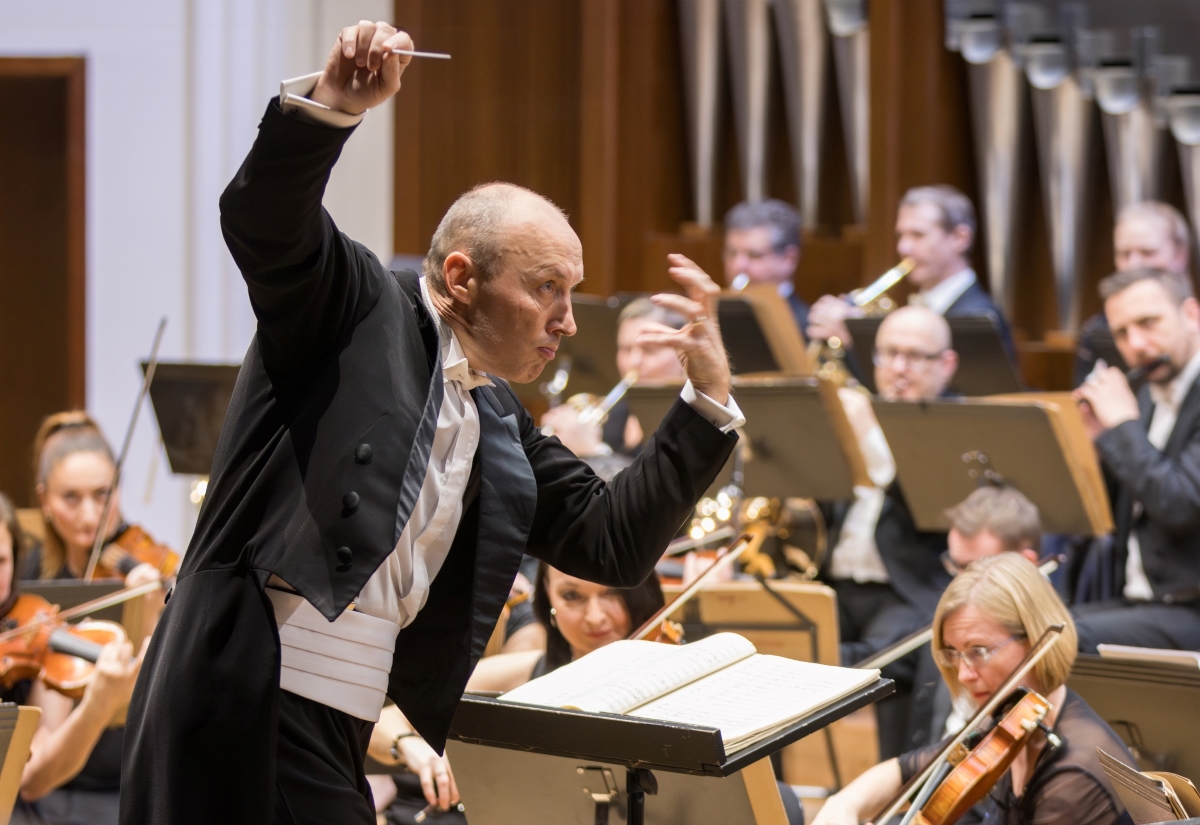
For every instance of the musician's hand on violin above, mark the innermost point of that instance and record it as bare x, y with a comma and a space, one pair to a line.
361, 72
698, 344
827, 319
437, 780
1106, 400
144, 573
114, 677
582, 439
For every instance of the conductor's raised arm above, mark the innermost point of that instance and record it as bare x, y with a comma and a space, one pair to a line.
308, 283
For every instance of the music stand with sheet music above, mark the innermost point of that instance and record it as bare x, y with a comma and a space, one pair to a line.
760, 332
1151, 706
984, 367
800, 442
513, 760
1036, 443
190, 401
591, 351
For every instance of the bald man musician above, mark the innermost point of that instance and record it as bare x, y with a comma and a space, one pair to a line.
889, 575
373, 454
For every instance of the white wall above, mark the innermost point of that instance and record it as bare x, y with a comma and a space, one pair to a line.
175, 89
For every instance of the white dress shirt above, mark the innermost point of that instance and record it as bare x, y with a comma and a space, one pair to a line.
1167, 400
856, 556
942, 296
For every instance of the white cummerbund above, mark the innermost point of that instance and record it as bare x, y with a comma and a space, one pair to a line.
343, 664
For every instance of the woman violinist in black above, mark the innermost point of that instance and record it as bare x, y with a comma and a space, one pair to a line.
985, 623
54, 790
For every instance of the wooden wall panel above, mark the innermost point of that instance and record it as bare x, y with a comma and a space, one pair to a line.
41, 254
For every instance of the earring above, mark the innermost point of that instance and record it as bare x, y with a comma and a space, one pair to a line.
554, 618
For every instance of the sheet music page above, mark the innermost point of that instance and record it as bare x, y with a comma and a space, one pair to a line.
756, 695
619, 677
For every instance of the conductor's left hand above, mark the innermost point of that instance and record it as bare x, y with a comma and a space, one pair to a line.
698, 344
361, 71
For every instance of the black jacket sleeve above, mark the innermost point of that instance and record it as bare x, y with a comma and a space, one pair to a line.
615, 533
1167, 486
309, 284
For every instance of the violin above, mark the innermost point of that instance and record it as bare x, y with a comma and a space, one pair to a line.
977, 770
36, 642
131, 547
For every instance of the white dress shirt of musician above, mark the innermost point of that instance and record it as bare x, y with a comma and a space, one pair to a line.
935, 226
1152, 314
913, 361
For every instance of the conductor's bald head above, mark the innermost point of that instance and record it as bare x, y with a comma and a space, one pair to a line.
501, 268
913, 358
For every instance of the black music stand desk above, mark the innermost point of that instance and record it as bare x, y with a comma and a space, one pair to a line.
190, 401
519, 763
795, 445
984, 367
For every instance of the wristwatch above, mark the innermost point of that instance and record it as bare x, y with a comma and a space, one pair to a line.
395, 749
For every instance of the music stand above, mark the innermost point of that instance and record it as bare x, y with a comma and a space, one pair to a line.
984, 367
190, 401
512, 759
760, 332
591, 351
800, 442
1150, 705
1035, 443
17, 726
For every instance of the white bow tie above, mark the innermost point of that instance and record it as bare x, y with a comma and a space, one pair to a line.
469, 379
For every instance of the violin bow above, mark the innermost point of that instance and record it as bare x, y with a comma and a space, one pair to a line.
80, 610
914, 786
751, 538
102, 527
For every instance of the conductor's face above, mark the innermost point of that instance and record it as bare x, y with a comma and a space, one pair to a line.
510, 322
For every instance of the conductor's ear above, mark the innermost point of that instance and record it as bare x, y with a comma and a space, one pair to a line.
459, 273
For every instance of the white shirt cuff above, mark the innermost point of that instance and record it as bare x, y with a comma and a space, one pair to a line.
725, 417
294, 100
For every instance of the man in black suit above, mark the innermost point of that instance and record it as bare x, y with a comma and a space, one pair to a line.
762, 246
935, 226
889, 575
1149, 443
372, 454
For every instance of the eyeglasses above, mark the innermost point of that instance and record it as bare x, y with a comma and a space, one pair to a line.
916, 360
975, 657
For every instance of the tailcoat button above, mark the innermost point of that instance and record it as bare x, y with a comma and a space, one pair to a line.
362, 453
350, 500
344, 556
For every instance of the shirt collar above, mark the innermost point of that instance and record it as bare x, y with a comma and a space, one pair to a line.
1174, 393
940, 297
454, 360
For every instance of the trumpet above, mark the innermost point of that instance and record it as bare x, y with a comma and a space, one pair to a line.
592, 408
830, 355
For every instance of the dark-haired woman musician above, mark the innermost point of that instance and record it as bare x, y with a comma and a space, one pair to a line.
55, 787
579, 617
985, 623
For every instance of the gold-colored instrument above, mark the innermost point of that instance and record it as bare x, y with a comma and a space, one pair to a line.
592, 408
830, 355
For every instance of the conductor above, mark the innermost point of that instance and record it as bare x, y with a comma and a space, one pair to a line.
377, 481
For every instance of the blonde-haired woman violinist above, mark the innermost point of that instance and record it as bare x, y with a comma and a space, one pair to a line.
985, 623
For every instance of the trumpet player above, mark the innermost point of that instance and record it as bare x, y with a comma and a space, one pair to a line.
621, 433
935, 227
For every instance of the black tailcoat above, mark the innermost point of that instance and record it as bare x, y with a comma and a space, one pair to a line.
339, 393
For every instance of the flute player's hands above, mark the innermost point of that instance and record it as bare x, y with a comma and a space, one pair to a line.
361, 71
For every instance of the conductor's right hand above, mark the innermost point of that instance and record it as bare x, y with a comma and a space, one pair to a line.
361, 71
